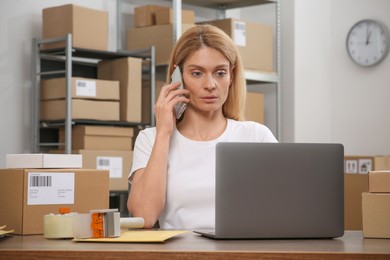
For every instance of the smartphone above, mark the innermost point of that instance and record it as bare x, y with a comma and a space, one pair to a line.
181, 106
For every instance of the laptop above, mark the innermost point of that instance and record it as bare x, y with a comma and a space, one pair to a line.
278, 191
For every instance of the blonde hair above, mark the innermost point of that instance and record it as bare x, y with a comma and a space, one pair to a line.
205, 35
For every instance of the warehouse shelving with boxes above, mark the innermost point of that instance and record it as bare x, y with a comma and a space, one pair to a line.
87, 99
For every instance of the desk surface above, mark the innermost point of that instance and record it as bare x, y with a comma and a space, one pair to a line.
190, 245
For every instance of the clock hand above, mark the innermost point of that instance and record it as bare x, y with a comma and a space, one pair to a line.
368, 34
368, 37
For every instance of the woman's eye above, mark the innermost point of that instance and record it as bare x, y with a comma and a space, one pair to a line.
220, 73
196, 74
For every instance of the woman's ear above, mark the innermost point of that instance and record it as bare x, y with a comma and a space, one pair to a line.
231, 75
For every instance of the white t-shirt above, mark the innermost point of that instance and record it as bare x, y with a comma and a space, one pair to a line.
190, 201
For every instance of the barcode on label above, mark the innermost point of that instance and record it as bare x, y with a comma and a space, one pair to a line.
81, 83
103, 162
239, 26
40, 181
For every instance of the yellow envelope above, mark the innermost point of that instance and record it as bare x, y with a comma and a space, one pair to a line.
138, 236
4, 232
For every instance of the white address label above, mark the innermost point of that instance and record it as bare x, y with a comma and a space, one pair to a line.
86, 88
239, 33
45, 188
113, 164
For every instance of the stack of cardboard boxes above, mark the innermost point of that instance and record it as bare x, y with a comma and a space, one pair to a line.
153, 25
113, 94
104, 148
34, 185
356, 182
90, 99
376, 205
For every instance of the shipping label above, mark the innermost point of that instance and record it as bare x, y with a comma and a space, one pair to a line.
86, 88
113, 164
45, 188
239, 33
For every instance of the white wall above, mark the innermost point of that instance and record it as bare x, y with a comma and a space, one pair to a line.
361, 95
326, 98
334, 99
312, 100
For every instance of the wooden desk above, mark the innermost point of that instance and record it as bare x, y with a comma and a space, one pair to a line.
192, 246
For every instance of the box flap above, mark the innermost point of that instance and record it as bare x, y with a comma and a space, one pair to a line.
103, 130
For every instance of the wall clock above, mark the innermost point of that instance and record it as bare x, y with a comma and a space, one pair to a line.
368, 42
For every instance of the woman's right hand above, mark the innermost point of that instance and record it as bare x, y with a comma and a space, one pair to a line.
169, 96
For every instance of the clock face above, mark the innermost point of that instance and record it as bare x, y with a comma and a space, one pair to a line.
368, 42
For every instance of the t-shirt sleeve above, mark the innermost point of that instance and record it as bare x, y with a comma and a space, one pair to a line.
267, 135
260, 132
250, 131
142, 149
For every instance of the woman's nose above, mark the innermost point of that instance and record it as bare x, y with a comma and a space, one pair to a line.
209, 83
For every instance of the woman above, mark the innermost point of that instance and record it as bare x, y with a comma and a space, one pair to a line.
173, 171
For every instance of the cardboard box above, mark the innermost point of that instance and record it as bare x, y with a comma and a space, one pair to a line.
118, 164
81, 109
254, 107
80, 88
354, 186
165, 16
146, 104
146, 15
376, 215
26, 195
89, 137
89, 27
128, 71
253, 40
355, 183
39, 160
161, 36
379, 181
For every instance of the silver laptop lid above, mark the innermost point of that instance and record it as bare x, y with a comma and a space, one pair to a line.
279, 190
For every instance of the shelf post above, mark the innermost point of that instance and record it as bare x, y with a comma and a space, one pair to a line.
152, 84
177, 28
68, 77
36, 64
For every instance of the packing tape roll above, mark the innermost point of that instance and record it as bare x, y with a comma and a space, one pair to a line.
132, 222
58, 226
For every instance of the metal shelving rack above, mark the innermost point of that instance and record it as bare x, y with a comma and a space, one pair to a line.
253, 77
66, 62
